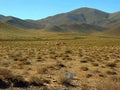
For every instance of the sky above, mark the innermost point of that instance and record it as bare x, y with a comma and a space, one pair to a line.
38, 9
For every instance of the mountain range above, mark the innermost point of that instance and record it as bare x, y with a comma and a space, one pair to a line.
85, 20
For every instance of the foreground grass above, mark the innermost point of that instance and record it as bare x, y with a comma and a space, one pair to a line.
44, 62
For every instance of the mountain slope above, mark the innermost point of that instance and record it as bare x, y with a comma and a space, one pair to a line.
1, 17
82, 15
114, 31
19, 22
113, 20
11, 32
7, 27
75, 27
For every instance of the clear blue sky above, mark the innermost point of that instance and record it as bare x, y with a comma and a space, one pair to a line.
37, 9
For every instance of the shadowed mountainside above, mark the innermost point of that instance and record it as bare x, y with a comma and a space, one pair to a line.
75, 27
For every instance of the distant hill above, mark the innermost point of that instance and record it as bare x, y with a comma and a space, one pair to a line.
19, 22
85, 20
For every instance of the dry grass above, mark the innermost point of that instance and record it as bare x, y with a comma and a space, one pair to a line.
42, 69
95, 59
108, 85
63, 80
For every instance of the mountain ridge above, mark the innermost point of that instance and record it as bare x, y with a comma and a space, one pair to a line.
90, 17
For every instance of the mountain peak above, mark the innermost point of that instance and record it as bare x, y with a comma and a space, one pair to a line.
88, 10
81, 15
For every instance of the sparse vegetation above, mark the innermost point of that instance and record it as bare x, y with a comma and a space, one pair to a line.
44, 63
64, 80
108, 85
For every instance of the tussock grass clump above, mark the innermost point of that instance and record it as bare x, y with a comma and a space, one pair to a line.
112, 64
4, 83
108, 85
5, 72
53, 57
36, 81
85, 86
19, 81
66, 57
59, 64
88, 59
84, 68
42, 69
27, 63
89, 75
95, 64
111, 73
116, 79
102, 75
84, 61
63, 80
39, 58
68, 52
7, 79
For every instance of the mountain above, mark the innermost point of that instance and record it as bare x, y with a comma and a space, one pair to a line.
19, 22
113, 20
82, 15
79, 20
